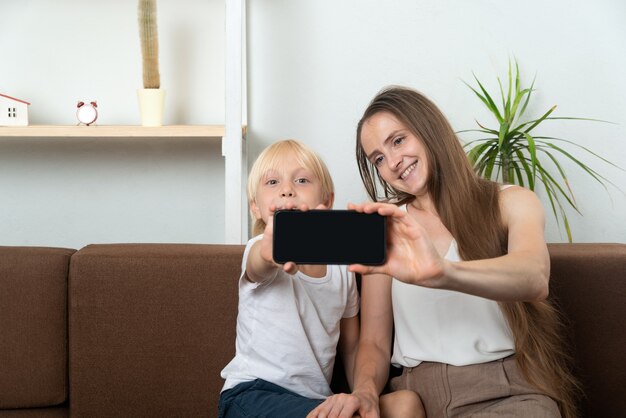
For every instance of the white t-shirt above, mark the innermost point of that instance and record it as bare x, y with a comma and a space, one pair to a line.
288, 329
445, 326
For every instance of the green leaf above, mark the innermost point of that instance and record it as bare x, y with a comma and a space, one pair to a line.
515, 173
517, 82
506, 100
586, 119
477, 151
547, 179
487, 162
502, 97
530, 90
491, 131
471, 144
490, 104
484, 131
541, 119
504, 130
549, 194
562, 172
599, 178
483, 99
561, 212
567, 227
519, 95
507, 106
581, 147
530, 174
533, 153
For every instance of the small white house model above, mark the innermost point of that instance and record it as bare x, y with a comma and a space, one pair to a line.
13, 112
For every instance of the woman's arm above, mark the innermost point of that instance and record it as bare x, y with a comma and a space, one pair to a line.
523, 273
372, 359
520, 275
348, 344
373, 356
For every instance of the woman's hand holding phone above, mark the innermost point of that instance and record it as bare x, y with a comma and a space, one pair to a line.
411, 255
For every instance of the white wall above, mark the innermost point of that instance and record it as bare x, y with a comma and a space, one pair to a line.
72, 192
312, 68
314, 65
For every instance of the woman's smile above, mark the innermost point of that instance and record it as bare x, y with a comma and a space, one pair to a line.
408, 171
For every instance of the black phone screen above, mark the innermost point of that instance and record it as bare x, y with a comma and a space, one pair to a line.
329, 237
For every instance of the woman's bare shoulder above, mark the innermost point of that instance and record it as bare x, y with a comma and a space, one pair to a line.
519, 201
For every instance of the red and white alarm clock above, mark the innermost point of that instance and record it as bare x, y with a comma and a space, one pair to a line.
87, 113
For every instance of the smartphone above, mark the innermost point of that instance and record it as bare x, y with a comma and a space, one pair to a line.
329, 237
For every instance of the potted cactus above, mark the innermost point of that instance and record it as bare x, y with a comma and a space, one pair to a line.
151, 97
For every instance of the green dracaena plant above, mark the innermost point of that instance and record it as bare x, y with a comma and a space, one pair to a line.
148, 34
512, 152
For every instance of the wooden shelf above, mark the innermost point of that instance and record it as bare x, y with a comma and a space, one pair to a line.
231, 135
43, 131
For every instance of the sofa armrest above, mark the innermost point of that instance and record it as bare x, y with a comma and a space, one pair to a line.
588, 282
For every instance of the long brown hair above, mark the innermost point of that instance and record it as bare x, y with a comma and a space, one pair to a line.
468, 206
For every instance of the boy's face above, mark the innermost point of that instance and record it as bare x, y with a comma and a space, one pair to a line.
288, 185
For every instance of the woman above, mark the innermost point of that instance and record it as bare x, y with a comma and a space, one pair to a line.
470, 267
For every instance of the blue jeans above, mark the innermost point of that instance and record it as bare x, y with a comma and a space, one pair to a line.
261, 399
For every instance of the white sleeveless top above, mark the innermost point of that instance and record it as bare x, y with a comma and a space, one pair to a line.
445, 326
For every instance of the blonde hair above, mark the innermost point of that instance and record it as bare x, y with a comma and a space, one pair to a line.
468, 206
272, 156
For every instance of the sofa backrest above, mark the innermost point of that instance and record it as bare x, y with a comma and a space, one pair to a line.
33, 326
151, 326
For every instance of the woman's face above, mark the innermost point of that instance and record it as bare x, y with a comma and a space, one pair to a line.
398, 155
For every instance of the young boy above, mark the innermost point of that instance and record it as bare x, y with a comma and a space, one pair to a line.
291, 318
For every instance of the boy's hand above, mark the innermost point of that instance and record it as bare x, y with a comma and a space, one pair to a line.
289, 267
260, 265
268, 238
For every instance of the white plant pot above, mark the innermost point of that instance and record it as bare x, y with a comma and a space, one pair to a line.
151, 104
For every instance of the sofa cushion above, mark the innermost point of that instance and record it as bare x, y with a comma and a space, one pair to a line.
151, 326
588, 282
33, 326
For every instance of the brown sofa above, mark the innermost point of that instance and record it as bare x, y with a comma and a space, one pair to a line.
143, 330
